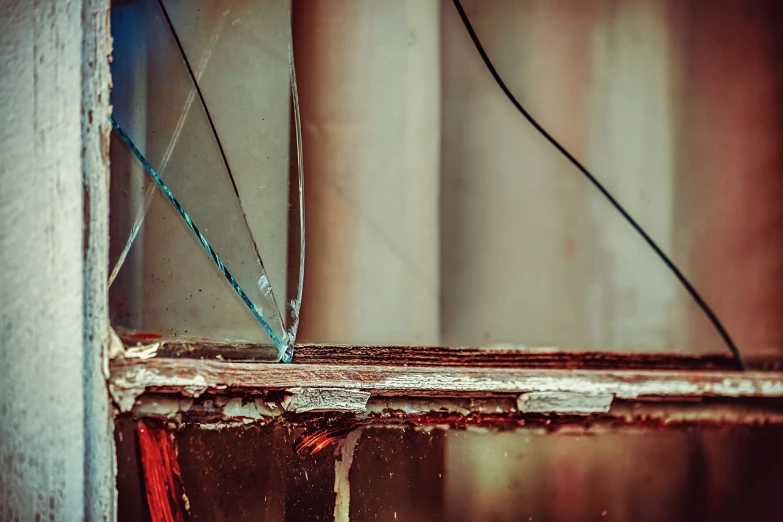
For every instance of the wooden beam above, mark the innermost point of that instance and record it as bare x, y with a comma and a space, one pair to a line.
499, 412
192, 377
507, 357
495, 357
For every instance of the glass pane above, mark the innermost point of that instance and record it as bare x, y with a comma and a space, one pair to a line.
537, 255
438, 215
253, 473
239, 184
672, 107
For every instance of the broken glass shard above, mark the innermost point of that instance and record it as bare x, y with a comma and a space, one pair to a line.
229, 259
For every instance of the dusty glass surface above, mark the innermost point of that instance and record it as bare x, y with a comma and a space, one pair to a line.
229, 155
252, 473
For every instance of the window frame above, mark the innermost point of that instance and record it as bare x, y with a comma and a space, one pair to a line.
451, 375
351, 386
529, 387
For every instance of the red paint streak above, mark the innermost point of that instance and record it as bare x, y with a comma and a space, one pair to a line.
162, 477
142, 336
313, 441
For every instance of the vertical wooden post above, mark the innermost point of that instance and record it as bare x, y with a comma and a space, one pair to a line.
56, 457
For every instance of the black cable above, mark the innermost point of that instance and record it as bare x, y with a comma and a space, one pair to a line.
200, 95
219, 144
597, 184
211, 125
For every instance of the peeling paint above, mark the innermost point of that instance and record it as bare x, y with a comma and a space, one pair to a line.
163, 406
502, 414
255, 409
142, 351
433, 381
125, 396
303, 400
116, 346
564, 402
342, 469
125, 390
195, 387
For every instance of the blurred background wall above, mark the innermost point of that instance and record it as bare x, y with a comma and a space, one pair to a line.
436, 214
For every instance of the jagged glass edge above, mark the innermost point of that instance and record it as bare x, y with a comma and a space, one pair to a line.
283, 345
294, 305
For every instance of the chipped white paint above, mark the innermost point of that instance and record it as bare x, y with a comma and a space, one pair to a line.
416, 406
397, 413
124, 397
143, 351
174, 374
116, 348
214, 426
342, 469
125, 391
256, 409
225, 409
564, 402
303, 400
195, 387
99, 455
161, 406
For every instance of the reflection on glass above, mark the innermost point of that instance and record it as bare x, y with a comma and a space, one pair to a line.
240, 185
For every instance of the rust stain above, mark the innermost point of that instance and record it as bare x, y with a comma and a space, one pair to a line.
142, 336
162, 477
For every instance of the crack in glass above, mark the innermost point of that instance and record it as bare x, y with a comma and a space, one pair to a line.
247, 217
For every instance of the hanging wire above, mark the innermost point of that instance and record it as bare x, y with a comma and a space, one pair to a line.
603, 190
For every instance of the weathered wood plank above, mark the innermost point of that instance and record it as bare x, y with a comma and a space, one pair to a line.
495, 357
132, 377
510, 357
